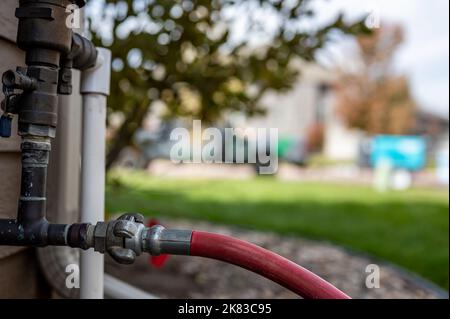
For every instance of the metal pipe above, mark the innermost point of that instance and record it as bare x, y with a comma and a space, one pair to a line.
44, 36
94, 89
47, 41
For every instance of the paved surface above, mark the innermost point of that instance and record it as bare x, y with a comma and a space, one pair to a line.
195, 277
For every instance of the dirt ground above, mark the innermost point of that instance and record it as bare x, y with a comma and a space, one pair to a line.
196, 277
345, 173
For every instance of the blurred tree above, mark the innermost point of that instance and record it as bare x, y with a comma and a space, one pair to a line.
186, 54
371, 97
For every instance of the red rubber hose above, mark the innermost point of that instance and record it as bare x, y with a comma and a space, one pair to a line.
263, 262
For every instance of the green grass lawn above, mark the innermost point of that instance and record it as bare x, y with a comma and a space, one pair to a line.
408, 228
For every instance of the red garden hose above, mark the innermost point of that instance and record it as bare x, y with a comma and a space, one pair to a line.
265, 263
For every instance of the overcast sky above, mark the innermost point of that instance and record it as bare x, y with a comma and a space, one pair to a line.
424, 55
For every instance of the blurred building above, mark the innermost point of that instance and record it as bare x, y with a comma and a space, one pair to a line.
308, 110
306, 120
435, 128
310, 104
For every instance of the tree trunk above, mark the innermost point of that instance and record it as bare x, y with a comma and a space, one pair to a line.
124, 135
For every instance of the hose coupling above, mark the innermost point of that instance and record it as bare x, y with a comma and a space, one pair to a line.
127, 237
120, 238
159, 240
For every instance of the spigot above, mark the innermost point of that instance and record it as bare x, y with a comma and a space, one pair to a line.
127, 237
12, 81
18, 80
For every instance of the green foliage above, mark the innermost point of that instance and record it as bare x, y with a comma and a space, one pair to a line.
185, 54
409, 228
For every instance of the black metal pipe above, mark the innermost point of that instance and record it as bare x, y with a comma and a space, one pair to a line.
43, 233
38, 234
32, 201
51, 50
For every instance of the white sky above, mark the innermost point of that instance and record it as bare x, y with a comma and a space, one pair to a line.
424, 55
